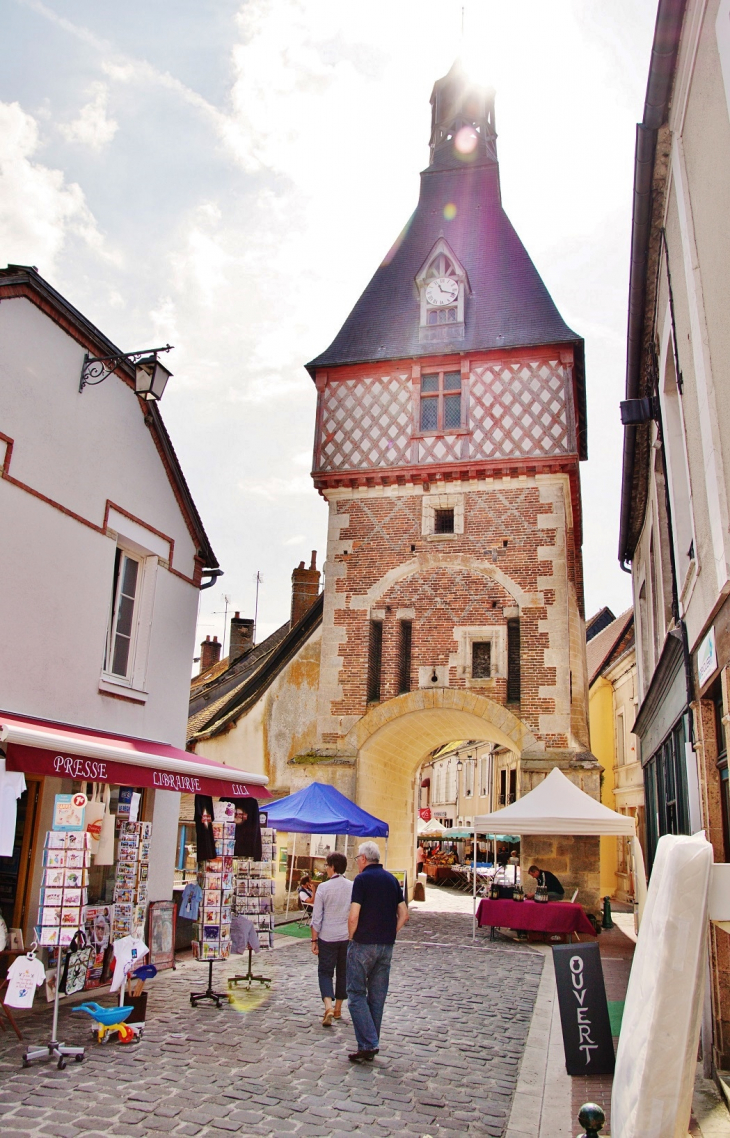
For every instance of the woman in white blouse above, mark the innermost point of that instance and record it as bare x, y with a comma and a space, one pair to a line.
330, 936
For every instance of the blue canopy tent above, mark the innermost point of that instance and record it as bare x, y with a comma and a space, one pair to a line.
320, 809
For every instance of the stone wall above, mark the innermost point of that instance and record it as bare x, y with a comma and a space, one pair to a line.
575, 861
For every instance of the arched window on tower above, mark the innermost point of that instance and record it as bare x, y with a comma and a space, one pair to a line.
441, 284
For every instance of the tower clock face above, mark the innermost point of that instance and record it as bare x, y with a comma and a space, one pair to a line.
442, 290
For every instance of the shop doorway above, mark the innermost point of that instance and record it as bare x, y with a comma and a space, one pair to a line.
15, 871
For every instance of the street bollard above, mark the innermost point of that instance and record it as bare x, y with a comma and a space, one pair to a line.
592, 1118
607, 921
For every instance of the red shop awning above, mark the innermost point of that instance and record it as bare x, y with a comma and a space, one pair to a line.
37, 746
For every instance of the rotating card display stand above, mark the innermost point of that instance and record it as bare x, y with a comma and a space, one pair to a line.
248, 979
53, 1049
212, 937
209, 993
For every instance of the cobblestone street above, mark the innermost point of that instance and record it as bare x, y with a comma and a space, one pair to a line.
454, 1030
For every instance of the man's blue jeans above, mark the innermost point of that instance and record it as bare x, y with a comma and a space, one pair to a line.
368, 974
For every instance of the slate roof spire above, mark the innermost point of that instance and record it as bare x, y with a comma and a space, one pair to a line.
507, 304
462, 121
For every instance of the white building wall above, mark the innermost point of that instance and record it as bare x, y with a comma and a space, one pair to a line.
80, 452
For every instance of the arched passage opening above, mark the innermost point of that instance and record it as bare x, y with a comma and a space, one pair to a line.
394, 740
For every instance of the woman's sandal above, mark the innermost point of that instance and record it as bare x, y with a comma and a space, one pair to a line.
327, 1019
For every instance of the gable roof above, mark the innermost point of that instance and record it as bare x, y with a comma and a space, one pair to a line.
598, 622
507, 304
609, 644
218, 704
25, 281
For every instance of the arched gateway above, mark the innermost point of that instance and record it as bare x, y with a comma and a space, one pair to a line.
393, 740
449, 431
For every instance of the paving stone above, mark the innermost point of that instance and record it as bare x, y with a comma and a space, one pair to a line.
271, 1071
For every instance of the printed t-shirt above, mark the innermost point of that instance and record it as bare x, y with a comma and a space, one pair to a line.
243, 934
378, 894
190, 903
12, 785
24, 975
129, 951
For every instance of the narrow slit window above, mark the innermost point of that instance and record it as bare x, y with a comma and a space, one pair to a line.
481, 660
375, 660
443, 521
405, 652
513, 660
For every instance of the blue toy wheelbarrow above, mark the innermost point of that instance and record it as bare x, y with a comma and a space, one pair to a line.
105, 1021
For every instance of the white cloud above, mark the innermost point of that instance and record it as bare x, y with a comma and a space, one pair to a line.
316, 144
298, 537
278, 487
39, 210
92, 128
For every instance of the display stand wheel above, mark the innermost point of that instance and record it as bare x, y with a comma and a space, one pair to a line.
209, 994
249, 978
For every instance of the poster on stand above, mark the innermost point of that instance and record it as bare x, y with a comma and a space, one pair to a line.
161, 938
68, 812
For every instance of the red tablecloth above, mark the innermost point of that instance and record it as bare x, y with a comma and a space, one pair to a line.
544, 917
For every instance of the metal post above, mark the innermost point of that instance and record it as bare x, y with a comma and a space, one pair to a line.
592, 1118
474, 883
56, 997
291, 873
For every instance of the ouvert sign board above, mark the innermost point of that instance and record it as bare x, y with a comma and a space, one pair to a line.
583, 1009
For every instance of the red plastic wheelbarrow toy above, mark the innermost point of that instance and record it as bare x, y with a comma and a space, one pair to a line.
106, 1021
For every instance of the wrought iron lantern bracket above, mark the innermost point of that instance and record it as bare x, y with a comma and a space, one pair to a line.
96, 369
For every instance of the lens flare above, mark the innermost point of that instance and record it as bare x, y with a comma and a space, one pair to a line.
466, 140
450, 211
245, 1000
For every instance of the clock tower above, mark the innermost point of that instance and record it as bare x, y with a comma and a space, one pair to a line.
450, 427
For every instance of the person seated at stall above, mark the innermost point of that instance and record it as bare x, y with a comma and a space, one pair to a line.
306, 893
546, 878
420, 858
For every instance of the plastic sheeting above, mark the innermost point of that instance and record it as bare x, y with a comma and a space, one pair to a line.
657, 1052
320, 809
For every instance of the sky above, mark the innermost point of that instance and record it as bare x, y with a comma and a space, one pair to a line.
227, 176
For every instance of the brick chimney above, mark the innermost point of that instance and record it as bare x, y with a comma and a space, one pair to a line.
304, 588
241, 636
210, 653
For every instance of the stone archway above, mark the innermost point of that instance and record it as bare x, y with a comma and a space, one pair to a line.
393, 740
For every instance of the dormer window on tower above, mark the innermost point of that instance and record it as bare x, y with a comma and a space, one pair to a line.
441, 285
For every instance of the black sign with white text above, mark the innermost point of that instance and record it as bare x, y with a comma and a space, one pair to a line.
583, 1009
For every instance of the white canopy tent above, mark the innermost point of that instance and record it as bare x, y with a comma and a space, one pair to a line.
558, 806
431, 828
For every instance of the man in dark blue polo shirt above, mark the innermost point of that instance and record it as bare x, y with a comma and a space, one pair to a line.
377, 913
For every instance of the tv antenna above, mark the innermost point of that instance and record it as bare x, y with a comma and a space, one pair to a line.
224, 612
258, 579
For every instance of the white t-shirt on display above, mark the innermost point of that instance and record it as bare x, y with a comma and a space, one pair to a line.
129, 952
12, 785
24, 975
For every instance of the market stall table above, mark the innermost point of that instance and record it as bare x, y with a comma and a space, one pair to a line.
533, 916
438, 873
